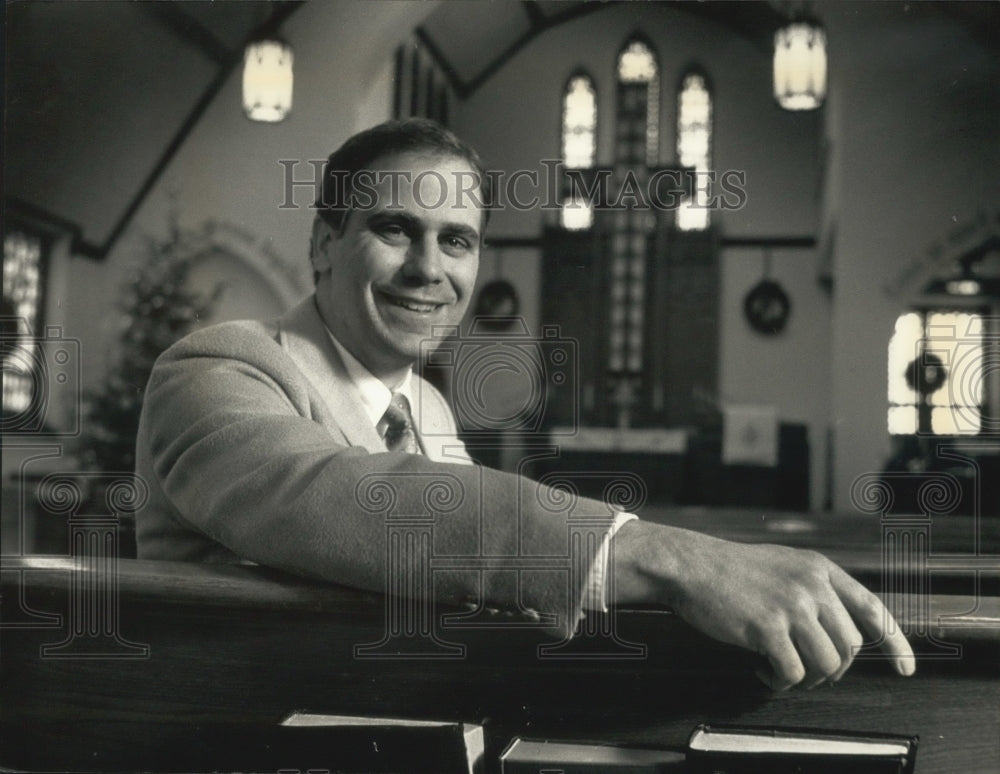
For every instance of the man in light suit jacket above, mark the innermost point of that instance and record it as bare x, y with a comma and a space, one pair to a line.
280, 443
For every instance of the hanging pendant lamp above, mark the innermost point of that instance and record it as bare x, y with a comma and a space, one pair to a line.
267, 79
800, 65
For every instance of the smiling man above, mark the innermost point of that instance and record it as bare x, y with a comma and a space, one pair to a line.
401, 265
257, 440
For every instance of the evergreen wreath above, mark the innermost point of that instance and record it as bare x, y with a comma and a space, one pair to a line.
926, 373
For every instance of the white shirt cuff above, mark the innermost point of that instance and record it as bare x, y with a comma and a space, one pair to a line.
595, 595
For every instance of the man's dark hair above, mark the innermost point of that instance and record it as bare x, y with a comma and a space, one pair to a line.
412, 135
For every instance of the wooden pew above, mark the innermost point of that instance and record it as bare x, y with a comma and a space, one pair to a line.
962, 552
166, 666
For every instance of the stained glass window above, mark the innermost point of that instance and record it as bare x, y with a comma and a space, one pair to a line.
22, 284
579, 146
637, 65
577, 213
694, 147
579, 122
636, 149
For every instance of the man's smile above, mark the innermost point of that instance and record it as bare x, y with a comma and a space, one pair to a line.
412, 304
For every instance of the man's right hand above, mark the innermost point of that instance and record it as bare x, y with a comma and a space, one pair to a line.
795, 607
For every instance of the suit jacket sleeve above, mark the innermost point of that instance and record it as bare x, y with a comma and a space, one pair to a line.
243, 460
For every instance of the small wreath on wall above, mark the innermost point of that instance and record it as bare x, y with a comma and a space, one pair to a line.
497, 306
767, 307
926, 374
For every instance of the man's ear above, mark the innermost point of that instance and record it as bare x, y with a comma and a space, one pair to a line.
319, 245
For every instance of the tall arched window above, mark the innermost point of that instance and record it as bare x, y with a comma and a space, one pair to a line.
638, 295
23, 283
579, 144
636, 149
639, 84
694, 147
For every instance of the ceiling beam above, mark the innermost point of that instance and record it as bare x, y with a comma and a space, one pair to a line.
534, 31
188, 29
459, 86
280, 14
754, 20
533, 12
804, 242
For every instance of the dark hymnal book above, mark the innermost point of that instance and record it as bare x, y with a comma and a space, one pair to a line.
349, 744
745, 750
530, 756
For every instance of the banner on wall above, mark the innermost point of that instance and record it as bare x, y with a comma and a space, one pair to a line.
750, 435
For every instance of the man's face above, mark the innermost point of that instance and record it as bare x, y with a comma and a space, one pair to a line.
404, 264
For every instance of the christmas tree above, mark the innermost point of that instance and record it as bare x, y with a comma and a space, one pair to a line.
157, 308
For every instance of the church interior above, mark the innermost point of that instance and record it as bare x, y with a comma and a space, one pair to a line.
854, 221
738, 287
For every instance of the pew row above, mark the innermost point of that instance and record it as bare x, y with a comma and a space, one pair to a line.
145, 665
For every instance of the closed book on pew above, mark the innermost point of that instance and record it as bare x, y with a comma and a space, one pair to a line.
531, 756
748, 750
349, 744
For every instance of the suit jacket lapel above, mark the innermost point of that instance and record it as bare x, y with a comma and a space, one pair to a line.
304, 336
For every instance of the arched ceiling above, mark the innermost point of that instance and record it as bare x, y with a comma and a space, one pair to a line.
79, 75
473, 40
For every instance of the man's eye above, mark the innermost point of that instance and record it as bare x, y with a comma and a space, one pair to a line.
455, 243
391, 231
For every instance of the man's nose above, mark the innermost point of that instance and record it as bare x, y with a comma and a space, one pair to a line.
423, 261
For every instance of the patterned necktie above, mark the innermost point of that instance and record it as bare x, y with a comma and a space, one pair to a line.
396, 426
